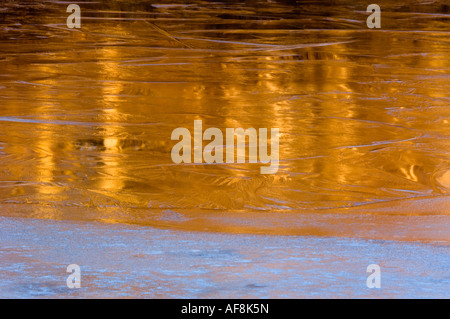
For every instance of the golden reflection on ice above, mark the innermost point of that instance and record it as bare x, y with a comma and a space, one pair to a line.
86, 115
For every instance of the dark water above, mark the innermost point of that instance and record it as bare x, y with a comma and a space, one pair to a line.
86, 114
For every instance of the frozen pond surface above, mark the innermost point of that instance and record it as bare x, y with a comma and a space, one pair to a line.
134, 261
86, 117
